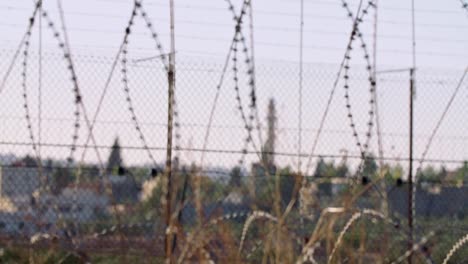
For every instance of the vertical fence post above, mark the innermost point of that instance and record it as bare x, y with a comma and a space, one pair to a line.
170, 118
410, 173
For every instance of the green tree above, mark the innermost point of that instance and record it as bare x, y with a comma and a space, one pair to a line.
321, 168
442, 175
29, 161
428, 174
370, 166
342, 170
328, 169
393, 173
461, 174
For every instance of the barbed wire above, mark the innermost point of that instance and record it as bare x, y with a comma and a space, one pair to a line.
462, 241
73, 78
249, 61
24, 86
126, 88
233, 151
239, 101
342, 69
45, 186
162, 57
197, 184
363, 146
24, 74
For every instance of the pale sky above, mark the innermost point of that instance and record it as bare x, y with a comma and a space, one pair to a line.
204, 29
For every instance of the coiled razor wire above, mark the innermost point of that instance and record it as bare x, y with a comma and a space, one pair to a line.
126, 88
200, 242
354, 217
138, 7
24, 86
346, 57
247, 123
344, 67
305, 255
460, 243
160, 48
194, 237
26, 44
255, 215
415, 248
77, 98
249, 61
234, 41
363, 146
197, 183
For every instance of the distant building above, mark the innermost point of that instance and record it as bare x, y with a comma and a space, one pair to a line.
82, 204
124, 189
148, 188
17, 186
18, 182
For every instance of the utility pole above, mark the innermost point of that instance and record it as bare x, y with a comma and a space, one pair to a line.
410, 174
170, 118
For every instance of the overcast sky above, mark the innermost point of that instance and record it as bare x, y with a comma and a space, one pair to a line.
204, 30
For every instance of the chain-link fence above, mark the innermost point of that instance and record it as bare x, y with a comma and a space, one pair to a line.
91, 185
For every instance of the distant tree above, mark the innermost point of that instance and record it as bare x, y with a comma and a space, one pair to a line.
370, 167
235, 177
393, 173
462, 173
328, 169
331, 170
29, 161
115, 157
442, 175
428, 174
342, 170
321, 168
